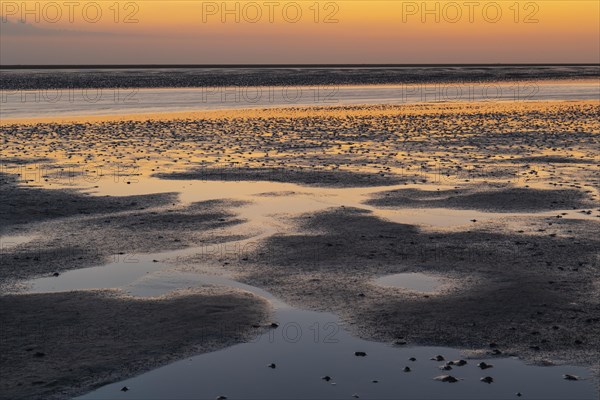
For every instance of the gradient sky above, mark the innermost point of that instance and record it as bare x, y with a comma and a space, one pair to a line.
200, 32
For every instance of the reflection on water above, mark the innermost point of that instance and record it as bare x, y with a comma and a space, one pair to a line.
308, 346
98, 102
267, 200
305, 347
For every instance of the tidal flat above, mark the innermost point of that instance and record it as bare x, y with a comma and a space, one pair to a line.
191, 232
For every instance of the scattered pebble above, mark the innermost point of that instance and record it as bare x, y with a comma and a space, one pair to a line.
484, 365
446, 378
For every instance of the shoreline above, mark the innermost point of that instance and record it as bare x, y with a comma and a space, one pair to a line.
296, 111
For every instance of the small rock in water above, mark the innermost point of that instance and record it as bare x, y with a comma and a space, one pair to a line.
484, 365
273, 366
326, 378
487, 379
375, 381
360, 354
438, 358
570, 377
446, 378
274, 325
459, 363
55, 274
124, 389
355, 396
222, 398
412, 359
406, 369
519, 394
446, 367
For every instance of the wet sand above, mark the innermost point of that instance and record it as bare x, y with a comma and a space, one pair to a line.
62, 344
526, 277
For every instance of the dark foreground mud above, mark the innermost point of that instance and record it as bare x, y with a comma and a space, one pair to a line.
21, 205
63, 344
112, 229
532, 293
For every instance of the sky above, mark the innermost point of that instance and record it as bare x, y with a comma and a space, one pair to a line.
298, 32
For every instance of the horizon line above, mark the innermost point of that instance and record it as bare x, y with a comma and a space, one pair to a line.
233, 66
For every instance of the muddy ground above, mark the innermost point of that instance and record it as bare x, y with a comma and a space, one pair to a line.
484, 198
76, 230
533, 293
62, 344
528, 284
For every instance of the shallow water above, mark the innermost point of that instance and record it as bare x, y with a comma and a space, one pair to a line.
306, 346
268, 200
100, 102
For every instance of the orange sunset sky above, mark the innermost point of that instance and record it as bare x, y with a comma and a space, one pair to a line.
250, 32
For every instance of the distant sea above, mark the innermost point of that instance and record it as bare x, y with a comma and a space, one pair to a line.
61, 92
170, 77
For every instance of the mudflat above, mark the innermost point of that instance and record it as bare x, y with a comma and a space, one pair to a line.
347, 195
62, 344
